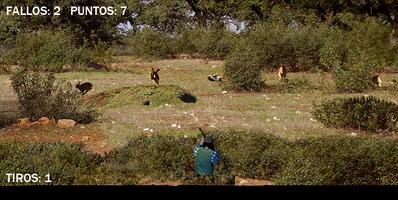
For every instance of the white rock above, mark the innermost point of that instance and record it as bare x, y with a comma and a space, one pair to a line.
224, 92
185, 136
146, 129
151, 130
179, 126
276, 119
174, 125
268, 120
354, 134
66, 123
297, 112
273, 107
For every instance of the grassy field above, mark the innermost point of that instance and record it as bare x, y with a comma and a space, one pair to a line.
287, 114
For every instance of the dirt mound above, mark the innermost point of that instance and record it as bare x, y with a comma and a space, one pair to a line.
149, 95
92, 138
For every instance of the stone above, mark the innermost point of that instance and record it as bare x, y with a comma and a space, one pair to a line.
43, 121
66, 123
24, 122
85, 138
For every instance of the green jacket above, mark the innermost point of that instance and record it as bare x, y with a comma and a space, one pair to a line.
205, 158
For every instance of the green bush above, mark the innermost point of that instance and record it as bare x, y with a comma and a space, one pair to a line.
42, 95
66, 163
170, 157
6, 120
296, 85
215, 43
243, 68
296, 46
329, 160
48, 51
151, 44
367, 113
341, 160
360, 42
358, 78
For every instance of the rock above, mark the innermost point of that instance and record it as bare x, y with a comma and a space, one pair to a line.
24, 122
66, 123
43, 121
85, 138
174, 125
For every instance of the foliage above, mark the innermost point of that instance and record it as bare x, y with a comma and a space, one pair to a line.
47, 51
42, 95
367, 113
65, 163
214, 42
137, 95
341, 160
296, 85
364, 42
149, 43
358, 78
243, 68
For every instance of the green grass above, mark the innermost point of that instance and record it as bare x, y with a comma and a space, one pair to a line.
137, 95
283, 113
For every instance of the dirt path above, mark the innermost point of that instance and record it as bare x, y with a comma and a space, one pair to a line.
92, 139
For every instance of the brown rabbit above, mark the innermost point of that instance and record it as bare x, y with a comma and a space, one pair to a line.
155, 75
84, 87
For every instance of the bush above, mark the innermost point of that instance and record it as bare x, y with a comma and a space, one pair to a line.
243, 68
368, 113
296, 85
151, 44
341, 160
48, 51
215, 43
66, 163
329, 160
296, 46
358, 78
170, 158
360, 42
42, 94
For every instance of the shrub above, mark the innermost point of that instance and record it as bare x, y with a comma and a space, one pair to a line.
7, 119
358, 78
42, 94
215, 43
360, 42
277, 44
66, 163
243, 68
47, 51
170, 158
99, 53
151, 44
341, 160
329, 160
368, 113
296, 85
